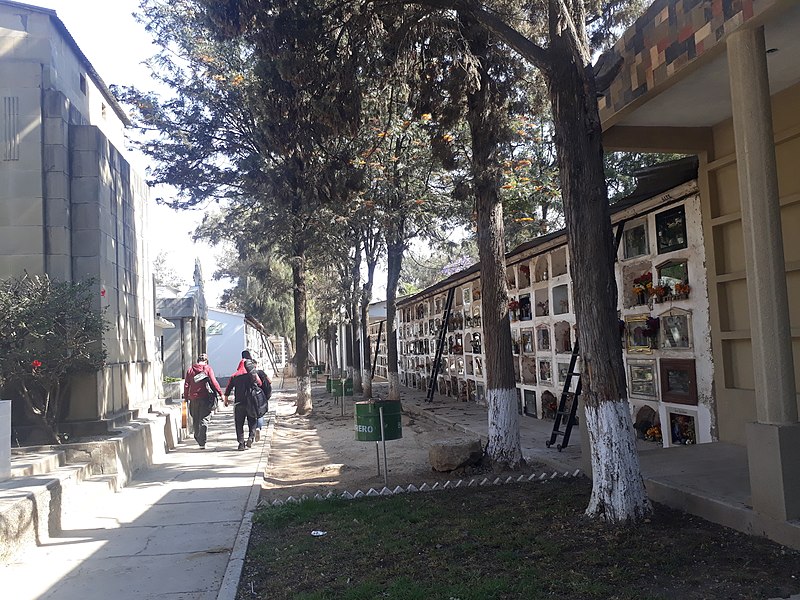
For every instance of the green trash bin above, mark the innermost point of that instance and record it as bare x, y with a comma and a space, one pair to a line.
368, 420
336, 387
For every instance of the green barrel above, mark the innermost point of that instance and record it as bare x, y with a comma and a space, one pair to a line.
348, 387
368, 420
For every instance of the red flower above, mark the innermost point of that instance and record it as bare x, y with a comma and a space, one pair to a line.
36, 364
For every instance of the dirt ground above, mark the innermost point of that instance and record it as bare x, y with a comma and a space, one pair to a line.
319, 453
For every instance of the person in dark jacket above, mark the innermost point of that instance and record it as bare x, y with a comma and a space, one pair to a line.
245, 377
195, 392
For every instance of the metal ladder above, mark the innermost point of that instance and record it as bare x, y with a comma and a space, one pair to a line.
437, 360
567, 415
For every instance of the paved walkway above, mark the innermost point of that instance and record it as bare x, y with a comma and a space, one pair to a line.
178, 531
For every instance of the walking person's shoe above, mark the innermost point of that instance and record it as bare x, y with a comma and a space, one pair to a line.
249, 442
258, 434
241, 446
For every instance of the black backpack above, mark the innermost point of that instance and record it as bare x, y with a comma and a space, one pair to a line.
255, 402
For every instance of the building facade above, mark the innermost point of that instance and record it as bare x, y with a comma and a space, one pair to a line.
663, 312
71, 206
720, 80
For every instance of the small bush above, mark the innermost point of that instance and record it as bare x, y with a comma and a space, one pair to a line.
49, 331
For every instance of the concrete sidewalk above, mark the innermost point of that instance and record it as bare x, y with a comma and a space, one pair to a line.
178, 530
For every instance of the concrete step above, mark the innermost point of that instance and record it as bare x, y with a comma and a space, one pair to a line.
25, 463
51, 485
31, 506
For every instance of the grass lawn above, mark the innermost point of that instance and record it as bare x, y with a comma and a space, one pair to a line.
512, 541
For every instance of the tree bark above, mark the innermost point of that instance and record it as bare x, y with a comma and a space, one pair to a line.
618, 492
366, 346
394, 258
501, 392
304, 404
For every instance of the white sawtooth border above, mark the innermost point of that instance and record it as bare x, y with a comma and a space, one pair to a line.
424, 487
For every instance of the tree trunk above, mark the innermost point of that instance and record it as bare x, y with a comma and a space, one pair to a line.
304, 404
501, 391
394, 258
618, 492
355, 328
366, 361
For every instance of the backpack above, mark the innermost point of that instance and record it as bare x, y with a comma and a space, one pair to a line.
197, 385
255, 402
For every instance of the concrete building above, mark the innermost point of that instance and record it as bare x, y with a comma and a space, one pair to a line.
71, 206
228, 333
187, 311
664, 328
721, 80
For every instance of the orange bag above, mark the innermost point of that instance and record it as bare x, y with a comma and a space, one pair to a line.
184, 415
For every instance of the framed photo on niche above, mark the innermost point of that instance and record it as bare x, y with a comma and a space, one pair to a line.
678, 381
643, 378
671, 230
676, 327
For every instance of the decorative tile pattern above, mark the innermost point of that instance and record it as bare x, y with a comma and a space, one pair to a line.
667, 37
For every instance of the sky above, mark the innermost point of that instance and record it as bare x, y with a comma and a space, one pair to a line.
116, 45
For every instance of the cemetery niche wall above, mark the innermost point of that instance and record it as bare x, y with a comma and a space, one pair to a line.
663, 312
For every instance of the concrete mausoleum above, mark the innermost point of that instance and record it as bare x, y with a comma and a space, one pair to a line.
71, 206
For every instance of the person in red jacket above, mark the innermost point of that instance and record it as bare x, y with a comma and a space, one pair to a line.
199, 378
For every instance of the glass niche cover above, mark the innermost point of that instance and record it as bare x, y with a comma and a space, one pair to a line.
671, 230
642, 374
676, 327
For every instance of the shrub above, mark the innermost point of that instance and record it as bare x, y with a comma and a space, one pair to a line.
49, 331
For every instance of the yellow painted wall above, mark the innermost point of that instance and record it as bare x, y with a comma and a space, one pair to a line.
726, 263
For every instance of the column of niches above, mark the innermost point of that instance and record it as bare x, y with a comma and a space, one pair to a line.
669, 373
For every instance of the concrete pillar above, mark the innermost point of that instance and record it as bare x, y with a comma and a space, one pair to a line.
771, 443
5, 439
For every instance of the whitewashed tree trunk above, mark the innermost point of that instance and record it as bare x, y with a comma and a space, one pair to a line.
483, 107
618, 494
504, 442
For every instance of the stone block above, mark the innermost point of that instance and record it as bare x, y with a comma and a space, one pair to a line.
85, 138
450, 455
54, 104
18, 180
56, 184
55, 158
86, 163
58, 213
85, 267
85, 216
772, 452
21, 212
59, 266
14, 265
55, 131
21, 240
57, 240
86, 242
85, 190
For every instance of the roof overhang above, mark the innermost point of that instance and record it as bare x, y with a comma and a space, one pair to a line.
662, 89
